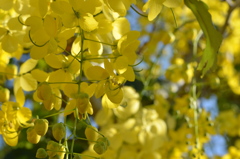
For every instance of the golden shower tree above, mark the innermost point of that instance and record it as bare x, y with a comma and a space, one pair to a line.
120, 79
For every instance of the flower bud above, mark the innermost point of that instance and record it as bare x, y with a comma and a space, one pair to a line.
58, 131
82, 102
101, 146
11, 71
52, 148
103, 140
32, 136
4, 94
55, 150
41, 153
61, 152
44, 91
41, 126
91, 133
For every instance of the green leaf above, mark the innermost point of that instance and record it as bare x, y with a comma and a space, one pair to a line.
214, 38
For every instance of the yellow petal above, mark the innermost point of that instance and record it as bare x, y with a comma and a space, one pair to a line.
69, 20
28, 83
103, 116
116, 6
24, 114
9, 43
40, 36
35, 22
127, 39
94, 48
6, 4
121, 64
49, 103
106, 103
115, 96
14, 24
88, 23
44, 91
91, 89
16, 84
55, 61
120, 27
83, 86
70, 89
43, 7
83, 6
76, 46
11, 71
129, 74
3, 31
61, 6
100, 89
155, 7
73, 66
39, 75
37, 53
70, 107
50, 25
11, 138
28, 66
66, 33
58, 100
96, 73
109, 67
104, 26
59, 76
53, 46
173, 3
36, 98
20, 96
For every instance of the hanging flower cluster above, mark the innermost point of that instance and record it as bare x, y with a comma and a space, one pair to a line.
67, 53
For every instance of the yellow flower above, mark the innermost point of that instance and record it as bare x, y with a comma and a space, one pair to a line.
126, 49
154, 7
50, 97
78, 12
119, 7
13, 116
79, 98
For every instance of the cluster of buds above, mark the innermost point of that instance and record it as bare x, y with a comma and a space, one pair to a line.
54, 151
39, 129
59, 131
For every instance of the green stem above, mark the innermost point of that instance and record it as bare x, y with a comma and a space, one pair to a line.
174, 17
74, 133
146, 81
138, 12
66, 139
99, 42
60, 98
195, 107
99, 58
194, 95
75, 57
